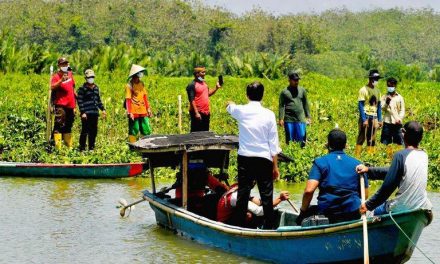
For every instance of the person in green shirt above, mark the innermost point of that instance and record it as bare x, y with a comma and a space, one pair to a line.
294, 113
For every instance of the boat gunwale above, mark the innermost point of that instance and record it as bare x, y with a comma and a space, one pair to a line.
58, 165
234, 230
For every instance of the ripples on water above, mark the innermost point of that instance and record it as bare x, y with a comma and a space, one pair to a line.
75, 221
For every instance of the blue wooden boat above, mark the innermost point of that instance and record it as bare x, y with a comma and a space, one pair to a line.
103, 171
332, 243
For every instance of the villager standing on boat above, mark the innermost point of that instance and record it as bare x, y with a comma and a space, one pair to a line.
393, 107
137, 105
89, 103
408, 172
198, 97
63, 86
257, 154
370, 113
294, 113
339, 188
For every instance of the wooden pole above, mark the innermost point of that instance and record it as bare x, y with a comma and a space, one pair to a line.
364, 222
179, 100
49, 109
185, 180
153, 183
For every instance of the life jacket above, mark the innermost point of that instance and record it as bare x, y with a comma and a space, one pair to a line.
224, 205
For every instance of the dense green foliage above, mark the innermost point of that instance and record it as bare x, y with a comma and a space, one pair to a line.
23, 105
170, 36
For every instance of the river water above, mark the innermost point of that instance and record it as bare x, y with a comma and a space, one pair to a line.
76, 221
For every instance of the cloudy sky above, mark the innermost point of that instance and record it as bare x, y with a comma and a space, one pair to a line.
278, 7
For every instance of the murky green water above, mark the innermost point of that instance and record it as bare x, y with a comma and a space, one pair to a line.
75, 221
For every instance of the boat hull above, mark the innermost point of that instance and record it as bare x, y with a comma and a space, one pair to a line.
71, 170
340, 243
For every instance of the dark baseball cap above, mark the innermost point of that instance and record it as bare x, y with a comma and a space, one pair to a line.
293, 76
374, 74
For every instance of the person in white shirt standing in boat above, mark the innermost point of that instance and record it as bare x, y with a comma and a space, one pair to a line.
257, 154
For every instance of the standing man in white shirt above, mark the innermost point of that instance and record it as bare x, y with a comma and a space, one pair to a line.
257, 154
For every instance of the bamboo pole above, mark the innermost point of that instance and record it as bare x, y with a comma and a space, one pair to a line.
153, 184
179, 100
185, 180
364, 222
49, 109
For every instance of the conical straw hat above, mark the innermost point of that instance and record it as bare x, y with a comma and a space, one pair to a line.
135, 69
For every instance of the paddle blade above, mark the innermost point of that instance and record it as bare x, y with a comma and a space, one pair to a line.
122, 202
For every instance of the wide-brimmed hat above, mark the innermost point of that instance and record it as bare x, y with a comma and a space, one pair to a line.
293, 76
374, 74
89, 73
62, 60
135, 69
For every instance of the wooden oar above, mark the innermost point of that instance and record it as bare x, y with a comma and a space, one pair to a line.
364, 222
293, 206
125, 206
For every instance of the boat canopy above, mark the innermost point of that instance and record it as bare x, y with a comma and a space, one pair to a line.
168, 150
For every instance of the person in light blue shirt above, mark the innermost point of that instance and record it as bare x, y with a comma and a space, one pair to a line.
338, 182
257, 153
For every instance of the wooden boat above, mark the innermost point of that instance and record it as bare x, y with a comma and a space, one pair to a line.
109, 171
289, 243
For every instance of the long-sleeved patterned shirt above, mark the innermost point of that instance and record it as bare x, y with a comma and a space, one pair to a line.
89, 100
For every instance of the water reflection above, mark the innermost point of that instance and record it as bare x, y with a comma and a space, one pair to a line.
76, 221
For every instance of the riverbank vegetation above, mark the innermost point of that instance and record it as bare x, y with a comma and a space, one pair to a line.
333, 101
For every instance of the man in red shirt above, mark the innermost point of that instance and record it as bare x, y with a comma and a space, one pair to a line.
198, 96
63, 87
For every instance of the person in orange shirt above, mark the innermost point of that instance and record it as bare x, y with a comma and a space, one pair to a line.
137, 105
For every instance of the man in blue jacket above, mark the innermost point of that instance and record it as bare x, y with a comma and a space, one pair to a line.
339, 186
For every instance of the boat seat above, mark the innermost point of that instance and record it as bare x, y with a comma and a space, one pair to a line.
287, 218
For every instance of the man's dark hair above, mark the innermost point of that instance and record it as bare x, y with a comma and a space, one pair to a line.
255, 91
392, 80
336, 139
412, 133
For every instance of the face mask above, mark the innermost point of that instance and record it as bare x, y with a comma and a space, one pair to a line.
64, 69
391, 89
140, 74
200, 79
90, 80
375, 83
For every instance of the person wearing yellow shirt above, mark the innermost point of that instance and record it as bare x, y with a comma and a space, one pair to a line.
370, 113
137, 105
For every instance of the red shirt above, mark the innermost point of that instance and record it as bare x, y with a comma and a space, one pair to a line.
224, 207
202, 97
65, 93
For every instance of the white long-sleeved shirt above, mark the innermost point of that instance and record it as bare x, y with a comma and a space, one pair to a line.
395, 110
258, 134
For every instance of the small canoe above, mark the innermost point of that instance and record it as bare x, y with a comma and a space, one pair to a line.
103, 171
334, 243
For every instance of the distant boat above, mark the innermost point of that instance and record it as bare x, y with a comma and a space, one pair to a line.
289, 243
102, 171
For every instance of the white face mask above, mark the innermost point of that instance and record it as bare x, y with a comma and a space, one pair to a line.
391, 89
64, 69
140, 74
200, 79
375, 83
90, 80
